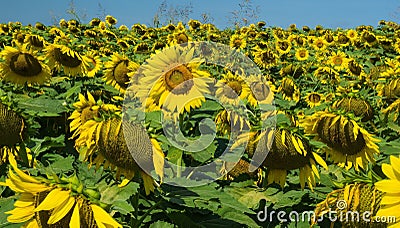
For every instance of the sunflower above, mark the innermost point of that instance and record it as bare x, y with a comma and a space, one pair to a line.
342, 39
266, 58
314, 99
122, 145
85, 110
302, 54
327, 75
116, 71
352, 35
42, 204
391, 198
393, 110
355, 69
231, 89
236, 170
356, 197
391, 90
289, 89
62, 57
111, 20
22, 66
12, 127
292, 70
319, 44
261, 90
283, 46
94, 64
285, 151
338, 60
348, 143
368, 38
179, 37
35, 41
358, 106
238, 42
172, 78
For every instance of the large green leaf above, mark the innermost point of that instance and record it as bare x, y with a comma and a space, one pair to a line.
42, 106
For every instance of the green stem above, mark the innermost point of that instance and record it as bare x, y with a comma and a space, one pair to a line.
137, 224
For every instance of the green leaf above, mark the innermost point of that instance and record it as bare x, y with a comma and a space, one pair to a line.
123, 207
6, 204
58, 163
47, 143
44, 107
114, 194
161, 224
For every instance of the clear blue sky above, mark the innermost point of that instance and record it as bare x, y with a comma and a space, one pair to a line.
329, 13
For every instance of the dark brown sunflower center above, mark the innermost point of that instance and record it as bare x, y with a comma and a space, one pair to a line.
288, 88
267, 57
370, 38
121, 73
302, 53
283, 45
259, 90
357, 106
354, 68
182, 38
66, 60
319, 43
35, 41
343, 39
315, 98
25, 64
233, 89
237, 43
179, 79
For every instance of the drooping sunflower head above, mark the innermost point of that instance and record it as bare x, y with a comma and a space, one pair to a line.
35, 41
326, 75
22, 66
357, 197
261, 91
286, 151
358, 106
348, 143
64, 58
12, 127
117, 71
391, 90
289, 89
173, 80
111, 20
125, 146
292, 70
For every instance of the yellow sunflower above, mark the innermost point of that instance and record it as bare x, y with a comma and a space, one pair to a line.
173, 80
111, 20
348, 143
314, 99
283, 46
289, 89
352, 35
35, 41
85, 110
41, 204
302, 54
327, 75
238, 41
261, 90
23, 66
94, 64
266, 58
319, 44
64, 58
391, 199
338, 60
117, 69
285, 151
114, 141
231, 89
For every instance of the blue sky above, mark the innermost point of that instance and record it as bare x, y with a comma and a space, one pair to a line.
328, 13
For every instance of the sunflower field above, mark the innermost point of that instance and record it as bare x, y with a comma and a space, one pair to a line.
87, 112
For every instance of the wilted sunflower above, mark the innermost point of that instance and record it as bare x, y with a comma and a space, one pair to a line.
41, 204
265, 58
368, 38
116, 71
111, 20
314, 99
358, 106
115, 145
327, 75
391, 90
286, 151
64, 58
360, 198
289, 89
238, 41
348, 143
283, 46
389, 206
292, 70
22, 66
393, 110
35, 41
172, 78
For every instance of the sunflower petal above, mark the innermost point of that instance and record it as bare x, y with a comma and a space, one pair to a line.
54, 199
59, 212
102, 217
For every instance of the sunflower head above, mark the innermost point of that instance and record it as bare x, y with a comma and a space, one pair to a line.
289, 89
111, 20
12, 127
314, 99
292, 70
358, 106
